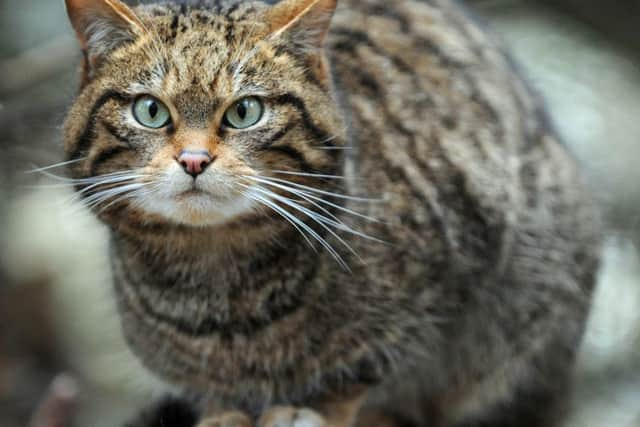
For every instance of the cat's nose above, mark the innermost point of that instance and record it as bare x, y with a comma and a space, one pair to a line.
194, 162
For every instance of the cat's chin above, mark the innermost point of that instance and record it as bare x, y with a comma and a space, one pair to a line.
197, 208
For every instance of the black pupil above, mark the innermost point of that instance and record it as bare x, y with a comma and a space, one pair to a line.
153, 109
242, 110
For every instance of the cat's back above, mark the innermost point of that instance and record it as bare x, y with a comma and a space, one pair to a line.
446, 129
478, 187
425, 70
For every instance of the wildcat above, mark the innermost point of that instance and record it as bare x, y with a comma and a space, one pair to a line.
331, 213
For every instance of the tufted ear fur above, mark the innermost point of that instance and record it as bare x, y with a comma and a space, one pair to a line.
305, 21
101, 26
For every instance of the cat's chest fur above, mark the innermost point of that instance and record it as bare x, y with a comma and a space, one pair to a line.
274, 328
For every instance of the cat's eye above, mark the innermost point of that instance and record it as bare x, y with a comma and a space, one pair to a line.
244, 113
151, 113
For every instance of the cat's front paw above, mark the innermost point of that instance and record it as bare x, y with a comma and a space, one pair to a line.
287, 416
228, 419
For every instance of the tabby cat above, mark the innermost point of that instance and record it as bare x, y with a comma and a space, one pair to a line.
331, 213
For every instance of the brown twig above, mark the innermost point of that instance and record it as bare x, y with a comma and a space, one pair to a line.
56, 409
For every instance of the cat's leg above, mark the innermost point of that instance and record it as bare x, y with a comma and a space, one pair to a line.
336, 411
288, 416
538, 398
383, 418
227, 419
532, 408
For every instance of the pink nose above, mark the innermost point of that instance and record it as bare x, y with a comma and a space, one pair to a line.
194, 162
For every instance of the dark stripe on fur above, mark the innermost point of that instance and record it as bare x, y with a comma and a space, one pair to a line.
105, 156
88, 133
296, 155
355, 38
302, 59
280, 304
318, 133
280, 134
114, 132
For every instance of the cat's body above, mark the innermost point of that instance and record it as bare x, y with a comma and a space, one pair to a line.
467, 307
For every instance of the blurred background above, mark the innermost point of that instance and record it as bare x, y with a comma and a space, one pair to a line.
56, 308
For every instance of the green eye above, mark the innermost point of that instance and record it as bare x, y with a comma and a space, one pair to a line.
151, 113
244, 113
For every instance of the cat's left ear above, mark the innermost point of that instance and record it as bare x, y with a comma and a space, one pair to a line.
102, 25
306, 21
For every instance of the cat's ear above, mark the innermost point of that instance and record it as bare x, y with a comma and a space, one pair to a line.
102, 25
306, 21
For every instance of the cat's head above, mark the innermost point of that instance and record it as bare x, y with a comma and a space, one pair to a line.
200, 114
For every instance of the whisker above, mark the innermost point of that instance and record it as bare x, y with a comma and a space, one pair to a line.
130, 195
315, 190
322, 142
306, 195
303, 195
73, 181
334, 221
341, 208
320, 147
110, 183
282, 212
319, 219
306, 174
56, 165
304, 226
314, 203
96, 199
125, 196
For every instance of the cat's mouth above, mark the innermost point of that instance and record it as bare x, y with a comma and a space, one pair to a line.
207, 200
195, 191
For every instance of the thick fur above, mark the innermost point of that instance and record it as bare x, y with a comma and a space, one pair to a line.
469, 305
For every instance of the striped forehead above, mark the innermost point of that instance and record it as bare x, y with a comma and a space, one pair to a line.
201, 55
201, 43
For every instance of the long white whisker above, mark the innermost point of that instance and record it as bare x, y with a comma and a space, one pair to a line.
331, 148
115, 180
102, 196
147, 189
280, 211
319, 219
103, 183
315, 190
301, 194
125, 196
310, 198
313, 203
89, 180
311, 175
304, 226
331, 219
314, 142
131, 194
56, 165
305, 194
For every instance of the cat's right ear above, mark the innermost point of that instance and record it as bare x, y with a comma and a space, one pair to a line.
101, 26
